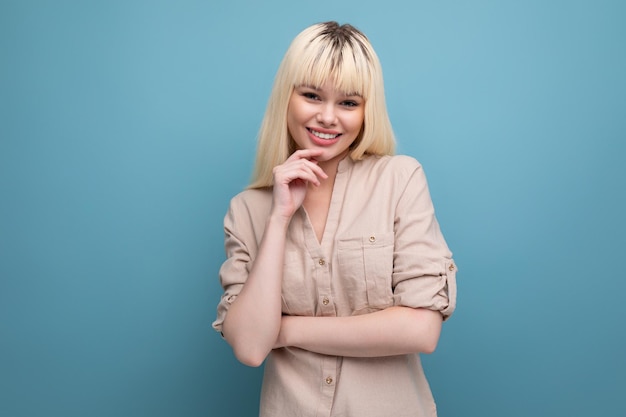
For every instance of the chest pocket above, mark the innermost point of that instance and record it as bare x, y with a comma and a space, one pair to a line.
365, 267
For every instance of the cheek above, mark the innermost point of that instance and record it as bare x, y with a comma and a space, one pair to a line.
291, 120
294, 116
357, 122
293, 126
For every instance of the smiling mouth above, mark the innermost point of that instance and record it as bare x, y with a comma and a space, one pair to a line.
325, 136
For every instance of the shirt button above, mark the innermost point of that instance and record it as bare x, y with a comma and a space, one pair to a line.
329, 380
372, 239
325, 301
322, 262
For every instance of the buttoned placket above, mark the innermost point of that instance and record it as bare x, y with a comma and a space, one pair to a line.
329, 371
324, 307
321, 252
325, 304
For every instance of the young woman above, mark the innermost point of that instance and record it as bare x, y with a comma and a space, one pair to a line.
337, 275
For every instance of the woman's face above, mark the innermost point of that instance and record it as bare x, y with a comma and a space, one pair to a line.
325, 118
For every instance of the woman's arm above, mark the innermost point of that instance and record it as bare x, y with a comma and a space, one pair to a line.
394, 331
254, 318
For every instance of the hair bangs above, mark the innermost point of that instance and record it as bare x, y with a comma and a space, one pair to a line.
347, 67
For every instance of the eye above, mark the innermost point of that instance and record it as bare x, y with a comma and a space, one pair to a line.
310, 95
350, 103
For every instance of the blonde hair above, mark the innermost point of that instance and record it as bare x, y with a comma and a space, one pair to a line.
325, 52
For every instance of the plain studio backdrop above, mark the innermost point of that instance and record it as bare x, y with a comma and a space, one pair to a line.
126, 127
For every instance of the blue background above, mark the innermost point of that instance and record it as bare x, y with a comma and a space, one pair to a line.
126, 126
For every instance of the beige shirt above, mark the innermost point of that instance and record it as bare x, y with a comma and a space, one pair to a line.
381, 247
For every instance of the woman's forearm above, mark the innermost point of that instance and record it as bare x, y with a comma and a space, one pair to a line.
254, 319
393, 331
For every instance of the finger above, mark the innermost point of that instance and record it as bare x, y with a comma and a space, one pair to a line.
305, 154
314, 167
302, 166
303, 173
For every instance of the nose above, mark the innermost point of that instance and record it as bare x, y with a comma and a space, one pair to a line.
327, 115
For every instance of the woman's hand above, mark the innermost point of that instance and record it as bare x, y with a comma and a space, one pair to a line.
291, 179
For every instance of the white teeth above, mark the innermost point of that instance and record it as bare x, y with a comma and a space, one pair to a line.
324, 135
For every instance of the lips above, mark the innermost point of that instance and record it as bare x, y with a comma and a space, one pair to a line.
323, 138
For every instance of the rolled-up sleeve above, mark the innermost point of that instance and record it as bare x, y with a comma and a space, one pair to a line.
424, 274
234, 271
